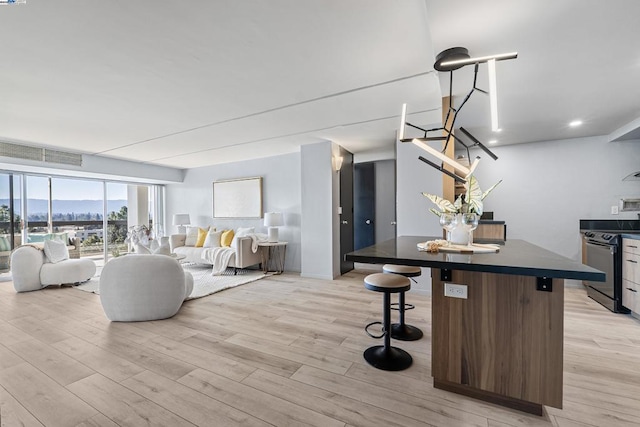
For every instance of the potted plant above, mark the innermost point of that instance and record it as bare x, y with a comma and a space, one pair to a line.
467, 209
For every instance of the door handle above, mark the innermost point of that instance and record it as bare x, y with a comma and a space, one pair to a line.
633, 261
368, 221
345, 222
394, 223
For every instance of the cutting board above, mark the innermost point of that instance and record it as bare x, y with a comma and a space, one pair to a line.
476, 248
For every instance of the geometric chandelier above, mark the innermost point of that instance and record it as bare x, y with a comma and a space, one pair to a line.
451, 60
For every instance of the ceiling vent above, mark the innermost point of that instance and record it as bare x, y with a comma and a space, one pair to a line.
39, 154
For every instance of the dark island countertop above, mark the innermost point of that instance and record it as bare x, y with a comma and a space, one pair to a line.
515, 257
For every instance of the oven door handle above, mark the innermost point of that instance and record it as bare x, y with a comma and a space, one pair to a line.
612, 248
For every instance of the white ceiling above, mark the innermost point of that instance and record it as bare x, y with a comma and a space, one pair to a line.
188, 84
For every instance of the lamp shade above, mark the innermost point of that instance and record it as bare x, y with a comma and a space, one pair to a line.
181, 219
273, 219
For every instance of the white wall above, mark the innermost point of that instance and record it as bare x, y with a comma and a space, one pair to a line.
280, 192
99, 167
547, 188
413, 178
318, 213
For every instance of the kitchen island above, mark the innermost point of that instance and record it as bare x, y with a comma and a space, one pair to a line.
504, 342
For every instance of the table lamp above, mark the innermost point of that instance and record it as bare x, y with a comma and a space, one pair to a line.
180, 220
273, 220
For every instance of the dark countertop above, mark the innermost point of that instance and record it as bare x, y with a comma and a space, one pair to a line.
630, 236
610, 225
490, 221
515, 257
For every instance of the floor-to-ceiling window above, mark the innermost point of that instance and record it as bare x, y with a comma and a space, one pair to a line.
94, 211
117, 211
10, 216
37, 218
77, 210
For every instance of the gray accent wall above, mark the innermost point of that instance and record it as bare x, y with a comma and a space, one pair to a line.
320, 190
280, 193
549, 186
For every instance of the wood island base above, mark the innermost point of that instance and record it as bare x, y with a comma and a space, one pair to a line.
504, 343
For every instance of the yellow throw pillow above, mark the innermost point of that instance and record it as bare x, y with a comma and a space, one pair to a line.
202, 235
226, 238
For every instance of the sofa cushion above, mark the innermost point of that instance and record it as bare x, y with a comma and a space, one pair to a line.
56, 250
192, 236
5, 244
202, 235
226, 238
213, 239
68, 271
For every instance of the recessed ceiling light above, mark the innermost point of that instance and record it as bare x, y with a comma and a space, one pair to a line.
575, 123
493, 141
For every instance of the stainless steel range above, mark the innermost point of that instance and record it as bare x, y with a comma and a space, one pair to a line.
603, 252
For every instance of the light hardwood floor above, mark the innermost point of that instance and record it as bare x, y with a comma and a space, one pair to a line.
280, 351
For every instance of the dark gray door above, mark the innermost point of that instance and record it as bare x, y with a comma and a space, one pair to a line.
385, 171
364, 206
346, 206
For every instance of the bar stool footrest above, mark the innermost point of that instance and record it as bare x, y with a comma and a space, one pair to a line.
396, 306
366, 329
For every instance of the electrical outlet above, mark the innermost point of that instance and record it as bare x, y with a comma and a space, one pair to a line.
614, 210
455, 291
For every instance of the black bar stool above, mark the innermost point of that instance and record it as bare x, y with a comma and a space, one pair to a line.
401, 331
384, 356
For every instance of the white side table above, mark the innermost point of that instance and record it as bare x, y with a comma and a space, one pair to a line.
273, 256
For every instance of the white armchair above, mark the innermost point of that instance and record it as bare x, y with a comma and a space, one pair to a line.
136, 288
31, 270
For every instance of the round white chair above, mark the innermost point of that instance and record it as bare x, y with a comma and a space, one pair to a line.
136, 288
31, 271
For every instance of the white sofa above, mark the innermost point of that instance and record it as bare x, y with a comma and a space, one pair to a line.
31, 270
136, 288
242, 258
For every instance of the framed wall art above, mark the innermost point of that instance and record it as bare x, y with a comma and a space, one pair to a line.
237, 198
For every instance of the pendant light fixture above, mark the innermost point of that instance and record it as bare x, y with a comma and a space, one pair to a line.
451, 60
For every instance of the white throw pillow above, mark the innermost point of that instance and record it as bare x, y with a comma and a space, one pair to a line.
162, 249
192, 236
154, 245
242, 232
142, 250
56, 251
213, 239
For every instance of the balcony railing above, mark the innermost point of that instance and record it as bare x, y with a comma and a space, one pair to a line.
89, 246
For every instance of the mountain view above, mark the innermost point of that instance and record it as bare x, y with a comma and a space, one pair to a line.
94, 207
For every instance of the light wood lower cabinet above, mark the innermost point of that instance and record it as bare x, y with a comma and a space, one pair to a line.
631, 275
491, 231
